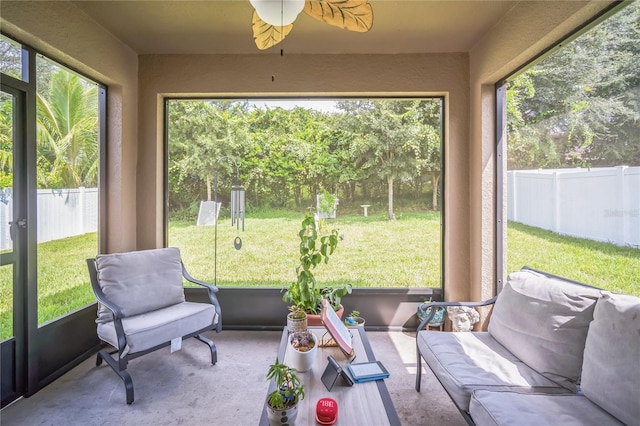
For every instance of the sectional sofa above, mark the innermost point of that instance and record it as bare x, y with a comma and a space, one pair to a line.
556, 352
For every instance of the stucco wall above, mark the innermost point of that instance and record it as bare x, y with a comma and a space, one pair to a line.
527, 30
63, 33
138, 85
307, 75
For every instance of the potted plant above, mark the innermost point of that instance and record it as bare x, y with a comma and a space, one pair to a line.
316, 246
296, 319
354, 319
282, 403
305, 349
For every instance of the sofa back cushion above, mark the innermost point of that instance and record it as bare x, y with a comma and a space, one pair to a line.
611, 369
544, 321
140, 281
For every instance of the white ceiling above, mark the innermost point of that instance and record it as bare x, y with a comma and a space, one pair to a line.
224, 27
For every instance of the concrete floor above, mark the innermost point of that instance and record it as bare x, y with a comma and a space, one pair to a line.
184, 388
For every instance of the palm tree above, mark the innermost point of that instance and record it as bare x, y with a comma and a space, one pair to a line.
6, 141
68, 133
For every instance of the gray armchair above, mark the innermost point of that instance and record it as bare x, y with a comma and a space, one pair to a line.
142, 308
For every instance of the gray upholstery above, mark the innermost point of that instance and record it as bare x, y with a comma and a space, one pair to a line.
493, 408
544, 322
611, 370
556, 353
140, 281
142, 307
144, 331
467, 361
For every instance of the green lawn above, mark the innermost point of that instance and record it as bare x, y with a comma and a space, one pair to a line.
603, 265
373, 253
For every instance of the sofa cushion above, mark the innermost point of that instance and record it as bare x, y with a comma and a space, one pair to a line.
467, 361
144, 331
611, 369
140, 281
543, 321
492, 408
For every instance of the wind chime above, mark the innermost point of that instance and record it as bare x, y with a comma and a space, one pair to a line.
237, 211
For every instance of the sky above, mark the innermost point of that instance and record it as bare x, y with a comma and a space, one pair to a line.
317, 104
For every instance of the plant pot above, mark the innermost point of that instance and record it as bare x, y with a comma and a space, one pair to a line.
313, 319
302, 361
279, 417
438, 318
357, 322
296, 324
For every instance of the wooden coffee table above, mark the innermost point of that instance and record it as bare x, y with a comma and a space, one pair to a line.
361, 404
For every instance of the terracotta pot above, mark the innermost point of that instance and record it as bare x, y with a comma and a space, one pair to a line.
313, 319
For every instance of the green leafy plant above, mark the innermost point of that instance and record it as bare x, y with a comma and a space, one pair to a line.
295, 312
354, 318
289, 389
316, 246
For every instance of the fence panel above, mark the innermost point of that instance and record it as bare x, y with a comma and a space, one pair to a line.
601, 204
6, 215
62, 213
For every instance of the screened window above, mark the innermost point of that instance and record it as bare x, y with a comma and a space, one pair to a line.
336, 158
572, 174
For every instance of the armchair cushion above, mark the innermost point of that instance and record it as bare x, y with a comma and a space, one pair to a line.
611, 369
131, 280
145, 331
543, 321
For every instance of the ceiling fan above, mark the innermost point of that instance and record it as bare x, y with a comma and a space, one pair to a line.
273, 19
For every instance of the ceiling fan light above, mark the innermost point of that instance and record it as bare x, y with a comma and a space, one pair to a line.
278, 12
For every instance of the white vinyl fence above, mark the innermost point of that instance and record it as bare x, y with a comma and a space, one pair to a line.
601, 204
61, 213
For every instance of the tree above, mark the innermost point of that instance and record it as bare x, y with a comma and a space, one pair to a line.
201, 133
580, 106
430, 137
390, 139
289, 156
6, 141
67, 133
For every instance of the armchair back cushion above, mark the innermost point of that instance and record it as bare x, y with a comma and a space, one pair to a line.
544, 321
611, 369
140, 281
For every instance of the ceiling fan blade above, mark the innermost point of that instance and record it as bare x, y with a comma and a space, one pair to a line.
353, 15
266, 35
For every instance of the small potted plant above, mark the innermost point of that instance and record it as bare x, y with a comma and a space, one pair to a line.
354, 319
296, 319
282, 403
305, 349
316, 246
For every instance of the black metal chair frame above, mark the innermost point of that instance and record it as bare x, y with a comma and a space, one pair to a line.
119, 366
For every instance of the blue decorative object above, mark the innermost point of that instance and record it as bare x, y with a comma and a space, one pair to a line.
438, 318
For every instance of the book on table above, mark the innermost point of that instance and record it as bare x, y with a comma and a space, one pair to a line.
367, 371
336, 328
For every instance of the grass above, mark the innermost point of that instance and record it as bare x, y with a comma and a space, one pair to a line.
600, 264
62, 276
371, 248
373, 253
